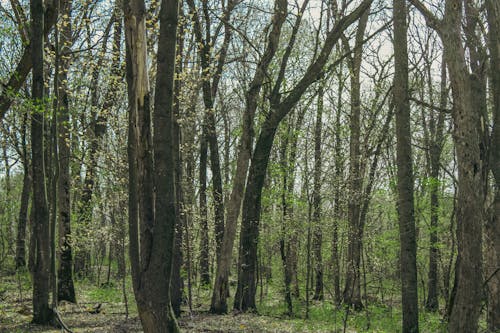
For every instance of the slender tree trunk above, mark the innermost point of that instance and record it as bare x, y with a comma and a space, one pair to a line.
25, 198
316, 216
97, 131
42, 314
65, 287
177, 284
249, 236
220, 295
352, 289
204, 241
407, 235
432, 302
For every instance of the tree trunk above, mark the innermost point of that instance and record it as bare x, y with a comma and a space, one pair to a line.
249, 236
152, 265
204, 241
25, 198
352, 290
97, 131
467, 303
65, 287
220, 295
493, 226
42, 314
316, 216
177, 284
405, 206
436, 146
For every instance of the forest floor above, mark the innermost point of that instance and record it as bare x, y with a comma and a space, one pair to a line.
16, 314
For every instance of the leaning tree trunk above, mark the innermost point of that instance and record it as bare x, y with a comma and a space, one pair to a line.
405, 205
42, 314
221, 287
249, 236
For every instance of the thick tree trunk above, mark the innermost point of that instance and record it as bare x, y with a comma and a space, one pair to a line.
493, 226
467, 303
405, 205
152, 265
42, 314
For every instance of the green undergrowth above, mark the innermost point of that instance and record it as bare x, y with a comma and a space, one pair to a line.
324, 316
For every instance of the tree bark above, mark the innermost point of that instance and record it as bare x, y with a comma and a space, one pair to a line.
152, 265
65, 287
316, 216
42, 314
405, 205
352, 289
493, 226
25, 198
204, 240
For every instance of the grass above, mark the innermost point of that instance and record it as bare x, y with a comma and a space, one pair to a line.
15, 313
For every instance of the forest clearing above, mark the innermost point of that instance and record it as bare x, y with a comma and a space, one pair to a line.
250, 166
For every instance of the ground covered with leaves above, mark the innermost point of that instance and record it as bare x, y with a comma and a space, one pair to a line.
16, 313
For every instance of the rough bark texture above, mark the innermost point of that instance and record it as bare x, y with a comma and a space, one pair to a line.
204, 241
65, 287
405, 205
352, 289
25, 198
467, 303
152, 265
493, 226
42, 314
435, 149
316, 217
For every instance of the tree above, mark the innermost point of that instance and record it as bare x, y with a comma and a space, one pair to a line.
152, 203
249, 236
466, 307
405, 205
352, 289
42, 314
65, 287
492, 238
220, 295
